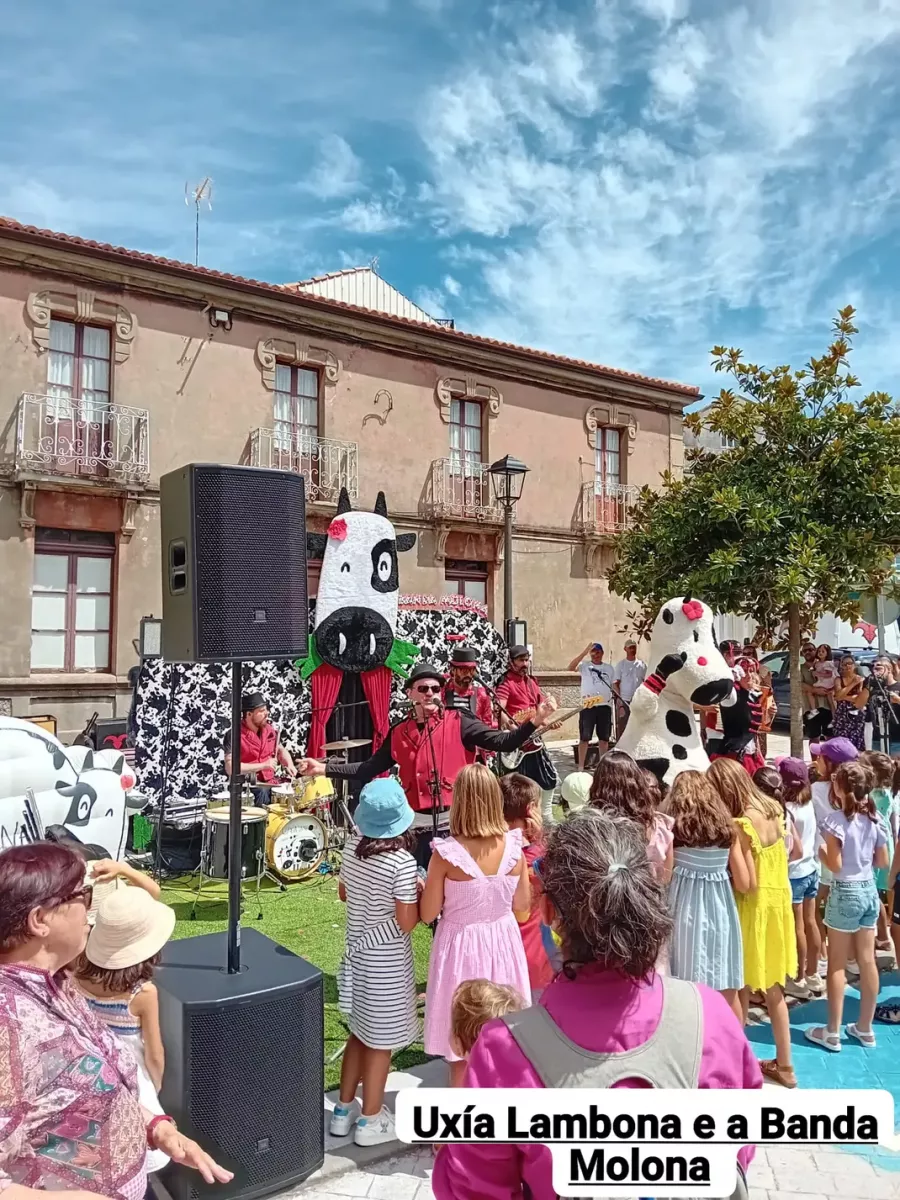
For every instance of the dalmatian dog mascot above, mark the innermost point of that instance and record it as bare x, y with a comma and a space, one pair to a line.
83, 793
661, 733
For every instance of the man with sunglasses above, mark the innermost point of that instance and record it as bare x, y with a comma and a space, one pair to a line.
429, 748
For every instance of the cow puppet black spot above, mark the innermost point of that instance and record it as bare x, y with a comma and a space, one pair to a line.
679, 752
678, 723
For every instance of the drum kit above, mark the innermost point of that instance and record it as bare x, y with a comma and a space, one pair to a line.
301, 832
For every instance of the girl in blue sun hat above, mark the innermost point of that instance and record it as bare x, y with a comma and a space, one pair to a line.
376, 979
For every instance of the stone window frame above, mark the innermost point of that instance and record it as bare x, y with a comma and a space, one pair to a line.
84, 307
612, 416
295, 352
466, 387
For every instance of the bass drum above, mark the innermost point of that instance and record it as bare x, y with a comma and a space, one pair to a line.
295, 842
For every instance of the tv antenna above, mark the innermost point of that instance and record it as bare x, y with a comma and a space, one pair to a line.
202, 194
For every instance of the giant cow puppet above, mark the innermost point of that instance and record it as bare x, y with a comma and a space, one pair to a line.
86, 791
661, 733
356, 614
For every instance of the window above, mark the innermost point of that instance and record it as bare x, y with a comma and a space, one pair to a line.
78, 367
71, 601
296, 409
465, 437
608, 459
466, 579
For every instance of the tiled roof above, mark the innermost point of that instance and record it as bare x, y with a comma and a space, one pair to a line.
33, 233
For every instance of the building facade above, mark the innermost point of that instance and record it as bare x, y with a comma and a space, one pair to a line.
118, 367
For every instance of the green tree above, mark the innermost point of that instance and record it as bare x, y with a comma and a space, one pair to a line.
802, 511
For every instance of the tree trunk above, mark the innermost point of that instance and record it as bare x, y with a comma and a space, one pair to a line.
796, 682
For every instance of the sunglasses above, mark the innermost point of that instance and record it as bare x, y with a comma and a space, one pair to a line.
429, 689
85, 895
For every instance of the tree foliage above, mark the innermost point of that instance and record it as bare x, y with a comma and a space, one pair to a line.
802, 511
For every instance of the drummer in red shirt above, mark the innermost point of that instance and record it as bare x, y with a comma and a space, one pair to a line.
261, 748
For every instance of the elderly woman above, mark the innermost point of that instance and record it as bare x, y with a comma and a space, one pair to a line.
604, 901
73, 1123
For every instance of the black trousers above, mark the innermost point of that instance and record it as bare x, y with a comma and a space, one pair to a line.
424, 838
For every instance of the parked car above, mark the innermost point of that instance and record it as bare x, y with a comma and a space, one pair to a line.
778, 665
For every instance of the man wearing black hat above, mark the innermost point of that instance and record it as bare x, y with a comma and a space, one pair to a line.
261, 749
517, 692
461, 690
429, 748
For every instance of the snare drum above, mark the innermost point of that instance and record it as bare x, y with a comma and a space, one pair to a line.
283, 795
215, 842
295, 843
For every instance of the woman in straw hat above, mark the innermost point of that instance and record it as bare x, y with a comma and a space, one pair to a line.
114, 973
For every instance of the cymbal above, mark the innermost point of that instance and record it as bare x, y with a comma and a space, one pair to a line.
348, 744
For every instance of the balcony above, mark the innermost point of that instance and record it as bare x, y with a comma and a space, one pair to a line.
605, 507
64, 437
326, 465
461, 490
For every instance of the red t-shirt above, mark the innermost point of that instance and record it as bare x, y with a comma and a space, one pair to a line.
256, 747
517, 692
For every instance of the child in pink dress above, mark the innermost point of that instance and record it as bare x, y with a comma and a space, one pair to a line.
476, 878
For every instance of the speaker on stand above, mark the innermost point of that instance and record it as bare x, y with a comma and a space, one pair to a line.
243, 1032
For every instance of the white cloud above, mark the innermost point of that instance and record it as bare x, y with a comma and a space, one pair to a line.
432, 301
369, 217
666, 11
681, 61
337, 172
452, 286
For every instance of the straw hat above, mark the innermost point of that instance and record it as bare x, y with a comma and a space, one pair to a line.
130, 928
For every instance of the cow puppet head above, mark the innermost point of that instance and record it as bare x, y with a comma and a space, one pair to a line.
359, 587
684, 629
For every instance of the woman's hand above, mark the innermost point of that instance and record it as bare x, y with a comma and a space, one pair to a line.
183, 1150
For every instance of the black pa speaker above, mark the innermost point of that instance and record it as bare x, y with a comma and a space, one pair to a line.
244, 1063
234, 564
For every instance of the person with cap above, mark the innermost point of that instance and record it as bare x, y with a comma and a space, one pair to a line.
519, 692
462, 692
575, 790
627, 678
376, 978
429, 748
827, 757
261, 748
597, 689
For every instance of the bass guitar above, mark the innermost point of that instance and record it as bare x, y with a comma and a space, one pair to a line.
511, 759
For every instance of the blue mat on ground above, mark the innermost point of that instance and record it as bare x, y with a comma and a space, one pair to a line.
854, 1067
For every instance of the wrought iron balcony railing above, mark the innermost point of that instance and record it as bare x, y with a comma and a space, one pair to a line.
461, 489
605, 507
326, 464
65, 436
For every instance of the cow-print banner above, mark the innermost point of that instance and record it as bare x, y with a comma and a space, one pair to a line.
187, 707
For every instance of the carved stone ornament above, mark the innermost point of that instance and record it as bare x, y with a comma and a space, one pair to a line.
598, 558
441, 533
297, 353
130, 509
450, 388
85, 307
26, 508
600, 416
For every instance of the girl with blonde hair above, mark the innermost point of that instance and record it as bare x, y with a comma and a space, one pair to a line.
765, 913
477, 877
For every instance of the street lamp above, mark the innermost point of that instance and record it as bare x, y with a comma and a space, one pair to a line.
507, 480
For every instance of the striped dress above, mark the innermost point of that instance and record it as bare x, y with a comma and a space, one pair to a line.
376, 979
705, 946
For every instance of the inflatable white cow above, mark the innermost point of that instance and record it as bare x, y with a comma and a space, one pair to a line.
661, 733
86, 791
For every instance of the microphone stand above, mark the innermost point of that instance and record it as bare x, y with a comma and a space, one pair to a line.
883, 712
434, 784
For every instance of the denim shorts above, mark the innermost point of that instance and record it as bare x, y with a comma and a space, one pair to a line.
805, 888
852, 906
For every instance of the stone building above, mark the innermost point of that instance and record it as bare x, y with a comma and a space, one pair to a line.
118, 367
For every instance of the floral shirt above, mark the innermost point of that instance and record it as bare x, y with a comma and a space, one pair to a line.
70, 1117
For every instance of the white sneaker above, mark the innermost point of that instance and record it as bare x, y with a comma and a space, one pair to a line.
372, 1131
816, 984
852, 967
798, 988
343, 1118
823, 966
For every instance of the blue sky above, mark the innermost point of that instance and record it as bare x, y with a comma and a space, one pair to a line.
627, 181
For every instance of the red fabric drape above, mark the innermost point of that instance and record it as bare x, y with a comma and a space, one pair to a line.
377, 688
326, 684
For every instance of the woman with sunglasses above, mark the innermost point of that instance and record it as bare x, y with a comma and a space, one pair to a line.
73, 1124
430, 747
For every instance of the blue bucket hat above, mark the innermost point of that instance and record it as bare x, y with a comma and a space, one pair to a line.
383, 810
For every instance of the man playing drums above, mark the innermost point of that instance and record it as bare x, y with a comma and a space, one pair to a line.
261, 748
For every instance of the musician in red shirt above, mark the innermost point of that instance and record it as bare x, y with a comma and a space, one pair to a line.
517, 691
261, 748
429, 749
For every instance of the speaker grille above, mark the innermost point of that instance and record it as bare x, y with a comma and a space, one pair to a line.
255, 1079
250, 563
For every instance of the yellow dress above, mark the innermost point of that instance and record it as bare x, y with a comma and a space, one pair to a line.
767, 920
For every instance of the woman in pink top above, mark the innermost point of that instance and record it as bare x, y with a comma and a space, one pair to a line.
621, 786
603, 900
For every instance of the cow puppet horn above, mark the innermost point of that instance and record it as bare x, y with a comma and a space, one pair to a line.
343, 504
380, 505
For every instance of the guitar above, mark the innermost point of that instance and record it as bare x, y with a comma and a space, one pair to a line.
512, 758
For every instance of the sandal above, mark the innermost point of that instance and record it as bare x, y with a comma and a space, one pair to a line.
888, 1011
824, 1037
864, 1039
783, 1075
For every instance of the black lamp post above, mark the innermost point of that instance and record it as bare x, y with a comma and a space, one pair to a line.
507, 480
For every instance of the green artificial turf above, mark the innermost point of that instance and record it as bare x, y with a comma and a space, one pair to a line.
308, 918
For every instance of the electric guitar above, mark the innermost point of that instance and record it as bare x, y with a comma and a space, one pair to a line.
512, 758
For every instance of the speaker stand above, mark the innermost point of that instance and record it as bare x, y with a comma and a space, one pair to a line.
235, 830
